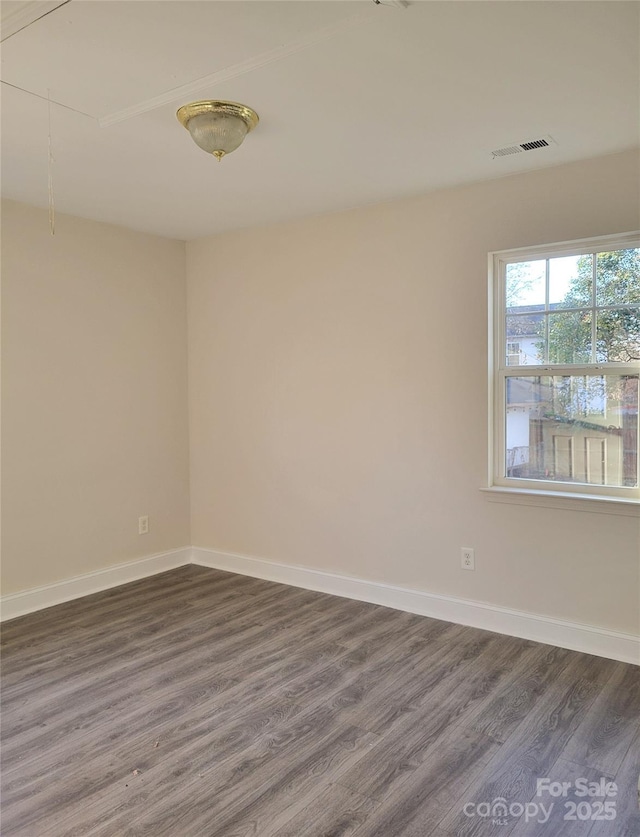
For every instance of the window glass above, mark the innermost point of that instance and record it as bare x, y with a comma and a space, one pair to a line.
618, 277
581, 429
570, 337
527, 331
618, 335
525, 286
570, 281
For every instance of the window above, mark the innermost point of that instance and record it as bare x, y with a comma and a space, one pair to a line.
513, 354
565, 368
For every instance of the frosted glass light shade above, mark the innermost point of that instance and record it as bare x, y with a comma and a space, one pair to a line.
216, 133
217, 127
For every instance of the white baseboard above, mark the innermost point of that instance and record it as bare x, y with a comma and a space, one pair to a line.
18, 604
577, 637
571, 635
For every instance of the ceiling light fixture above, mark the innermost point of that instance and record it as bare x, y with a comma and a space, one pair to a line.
217, 127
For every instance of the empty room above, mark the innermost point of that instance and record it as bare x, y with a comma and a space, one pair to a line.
320, 395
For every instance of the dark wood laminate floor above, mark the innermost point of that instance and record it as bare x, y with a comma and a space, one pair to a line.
204, 704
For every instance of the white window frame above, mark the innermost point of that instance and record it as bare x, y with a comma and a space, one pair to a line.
499, 371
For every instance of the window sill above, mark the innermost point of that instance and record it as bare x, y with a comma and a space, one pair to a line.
566, 501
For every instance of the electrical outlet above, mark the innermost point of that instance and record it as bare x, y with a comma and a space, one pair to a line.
143, 525
467, 558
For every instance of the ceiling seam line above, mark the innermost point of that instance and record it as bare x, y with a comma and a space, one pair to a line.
27, 25
44, 98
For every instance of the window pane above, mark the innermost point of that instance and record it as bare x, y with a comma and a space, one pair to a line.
618, 277
574, 428
618, 335
570, 337
525, 340
525, 288
571, 281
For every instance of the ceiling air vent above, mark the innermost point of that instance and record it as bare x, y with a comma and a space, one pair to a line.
510, 149
518, 148
529, 146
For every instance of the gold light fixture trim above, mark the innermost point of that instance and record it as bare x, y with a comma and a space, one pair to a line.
225, 125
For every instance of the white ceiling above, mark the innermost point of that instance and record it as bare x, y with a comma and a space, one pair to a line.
358, 102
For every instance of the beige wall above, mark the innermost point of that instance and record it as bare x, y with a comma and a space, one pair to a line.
338, 397
95, 428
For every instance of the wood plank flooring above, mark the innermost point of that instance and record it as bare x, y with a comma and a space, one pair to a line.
203, 704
